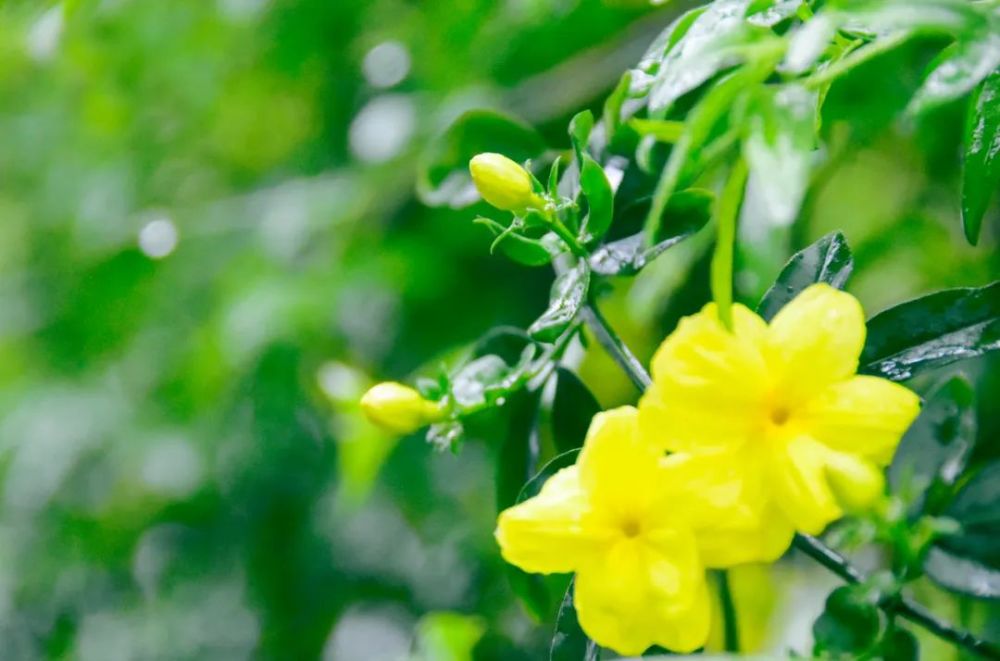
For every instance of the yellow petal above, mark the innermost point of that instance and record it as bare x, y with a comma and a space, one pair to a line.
763, 540
619, 472
815, 341
643, 593
708, 383
797, 471
856, 483
722, 495
864, 415
546, 534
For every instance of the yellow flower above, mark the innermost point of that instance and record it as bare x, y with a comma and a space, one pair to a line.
621, 519
779, 413
503, 183
398, 408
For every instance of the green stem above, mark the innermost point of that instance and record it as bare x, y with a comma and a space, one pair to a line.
725, 242
901, 606
731, 632
808, 544
563, 233
608, 338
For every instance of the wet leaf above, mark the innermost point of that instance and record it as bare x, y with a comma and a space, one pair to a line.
828, 260
932, 331
569, 292
957, 71
934, 451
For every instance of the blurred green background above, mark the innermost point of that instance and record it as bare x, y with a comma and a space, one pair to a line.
210, 245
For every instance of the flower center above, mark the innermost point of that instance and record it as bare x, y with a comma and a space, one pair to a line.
631, 528
779, 415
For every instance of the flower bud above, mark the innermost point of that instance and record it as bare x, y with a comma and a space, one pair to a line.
856, 484
503, 183
398, 408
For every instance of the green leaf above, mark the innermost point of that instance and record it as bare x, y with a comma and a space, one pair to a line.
934, 451
600, 200
956, 71
569, 643
572, 409
962, 574
932, 331
533, 486
485, 380
981, 165
850, 623
899, 645
715, 40
443, 176
579, 133
569, 292
977, 510
716, 104
779, 144
828, 260
654, 56
686, 213
516, 246
612, 116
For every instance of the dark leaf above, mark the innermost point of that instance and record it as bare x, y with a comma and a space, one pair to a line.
569, 643
508, 342
600, 199
962, 574
850, 623
569, 292
572, 409
443, 178
934, 451
981, 167
516, 462
957, 71
932, 331
899, 645
828, 260
977, 510
533, 486
687, 212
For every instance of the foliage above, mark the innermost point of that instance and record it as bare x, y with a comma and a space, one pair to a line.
215, 235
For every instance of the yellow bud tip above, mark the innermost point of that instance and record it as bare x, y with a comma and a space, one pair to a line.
398, 408
856, 483
503, 183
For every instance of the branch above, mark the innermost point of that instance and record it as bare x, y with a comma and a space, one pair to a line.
911, 610
808, 544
